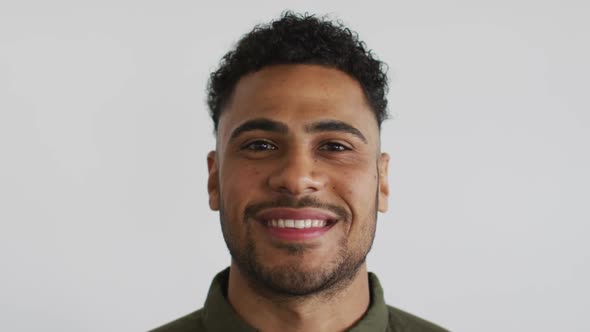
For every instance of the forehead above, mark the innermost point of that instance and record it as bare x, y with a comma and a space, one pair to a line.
298, 95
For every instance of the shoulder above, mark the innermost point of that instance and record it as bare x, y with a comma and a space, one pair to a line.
406, 322
192, 322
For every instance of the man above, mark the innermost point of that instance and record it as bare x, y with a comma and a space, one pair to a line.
298, 177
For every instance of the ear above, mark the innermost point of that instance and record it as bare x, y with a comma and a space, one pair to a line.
383, 182
213, 181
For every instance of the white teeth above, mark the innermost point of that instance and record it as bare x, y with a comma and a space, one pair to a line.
298, 223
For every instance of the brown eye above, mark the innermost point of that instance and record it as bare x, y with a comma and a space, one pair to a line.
259, 146
334, 147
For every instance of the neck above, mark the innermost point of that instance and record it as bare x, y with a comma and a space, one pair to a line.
336, 312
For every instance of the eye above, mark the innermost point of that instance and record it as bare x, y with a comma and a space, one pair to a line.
259, 146
334, 147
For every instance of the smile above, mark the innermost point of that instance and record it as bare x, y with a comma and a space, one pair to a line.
297, 223
288, 224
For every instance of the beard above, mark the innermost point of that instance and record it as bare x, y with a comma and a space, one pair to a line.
294, 280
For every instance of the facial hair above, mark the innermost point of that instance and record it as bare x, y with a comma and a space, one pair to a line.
293, 280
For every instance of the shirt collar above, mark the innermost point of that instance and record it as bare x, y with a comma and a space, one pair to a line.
218, 313
220, 316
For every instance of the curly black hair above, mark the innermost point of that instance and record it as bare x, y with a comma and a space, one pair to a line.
300, 39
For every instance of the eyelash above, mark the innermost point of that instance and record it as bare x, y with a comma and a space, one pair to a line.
340, 147
250, 146
334, 146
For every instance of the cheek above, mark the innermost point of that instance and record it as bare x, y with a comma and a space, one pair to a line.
356, 184
238, 184
359, 191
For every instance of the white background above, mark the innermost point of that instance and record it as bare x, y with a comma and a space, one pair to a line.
104, 132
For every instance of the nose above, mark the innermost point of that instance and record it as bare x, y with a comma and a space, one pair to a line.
298, 173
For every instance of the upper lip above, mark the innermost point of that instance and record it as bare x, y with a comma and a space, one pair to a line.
295, 214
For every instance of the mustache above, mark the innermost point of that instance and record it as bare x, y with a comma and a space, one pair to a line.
290, 202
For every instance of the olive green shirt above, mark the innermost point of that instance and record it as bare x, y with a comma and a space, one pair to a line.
218, 315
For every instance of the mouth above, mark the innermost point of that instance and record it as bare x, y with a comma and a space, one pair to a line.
296, 224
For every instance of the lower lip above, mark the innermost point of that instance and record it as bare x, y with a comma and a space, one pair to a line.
298, 234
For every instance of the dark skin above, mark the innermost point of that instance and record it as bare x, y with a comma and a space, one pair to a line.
294, 131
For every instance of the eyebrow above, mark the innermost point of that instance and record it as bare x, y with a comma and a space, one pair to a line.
335, 125
281, 128
260, 124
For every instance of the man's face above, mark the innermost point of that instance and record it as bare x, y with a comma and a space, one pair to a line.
298, 178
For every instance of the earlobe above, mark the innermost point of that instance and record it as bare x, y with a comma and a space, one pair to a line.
383, 182
213, 181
